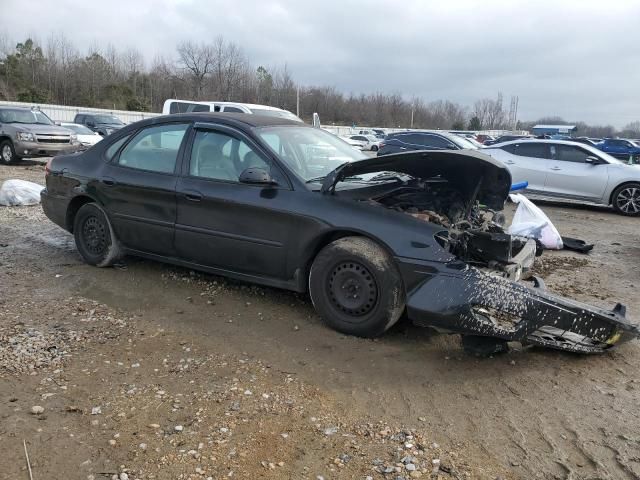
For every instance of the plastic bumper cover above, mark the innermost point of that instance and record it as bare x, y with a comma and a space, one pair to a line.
475, 303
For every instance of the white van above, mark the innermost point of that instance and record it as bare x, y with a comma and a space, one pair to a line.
184, 106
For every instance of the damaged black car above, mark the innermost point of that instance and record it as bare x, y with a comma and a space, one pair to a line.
265, 200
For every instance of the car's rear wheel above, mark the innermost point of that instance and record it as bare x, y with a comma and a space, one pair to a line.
94, 236
626, 199
374, 148
7, 152
356, 287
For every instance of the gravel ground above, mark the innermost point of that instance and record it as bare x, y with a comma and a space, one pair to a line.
149, 371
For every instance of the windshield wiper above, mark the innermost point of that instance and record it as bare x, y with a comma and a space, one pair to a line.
317, 179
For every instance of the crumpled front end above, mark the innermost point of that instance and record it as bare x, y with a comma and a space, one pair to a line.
472, 302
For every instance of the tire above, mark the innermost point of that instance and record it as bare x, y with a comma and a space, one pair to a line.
94, 236
356, 288
7, 152
374, 148
626, 199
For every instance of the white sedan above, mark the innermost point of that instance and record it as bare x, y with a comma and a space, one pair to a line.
86, 137
368, 142
571, 171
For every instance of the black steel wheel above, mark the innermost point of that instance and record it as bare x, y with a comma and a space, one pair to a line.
352, 289
356, 287
626, 199
94, 236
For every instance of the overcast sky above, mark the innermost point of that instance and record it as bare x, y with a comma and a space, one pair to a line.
578, 59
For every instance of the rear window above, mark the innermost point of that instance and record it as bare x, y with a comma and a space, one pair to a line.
186, 107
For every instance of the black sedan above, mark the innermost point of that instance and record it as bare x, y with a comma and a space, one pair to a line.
266, 200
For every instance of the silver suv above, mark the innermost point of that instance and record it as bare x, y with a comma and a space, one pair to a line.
30, 133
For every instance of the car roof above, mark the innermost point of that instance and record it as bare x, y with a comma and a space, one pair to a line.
536, 140
251, 120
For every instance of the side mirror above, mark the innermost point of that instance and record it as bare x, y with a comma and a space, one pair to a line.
256, 176
57, 123
593, 160
452, 147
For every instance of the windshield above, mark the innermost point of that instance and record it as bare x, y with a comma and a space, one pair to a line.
24, 116
79, 129
276, 113
310, 152
106, 119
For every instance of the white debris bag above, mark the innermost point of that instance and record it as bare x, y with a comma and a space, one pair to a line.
19, 192
531, 222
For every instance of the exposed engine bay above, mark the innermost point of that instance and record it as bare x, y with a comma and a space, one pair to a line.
474, 233
475, 290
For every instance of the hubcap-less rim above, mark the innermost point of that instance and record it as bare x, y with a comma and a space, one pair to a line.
95, 236
352, 289
629, 200
6, 153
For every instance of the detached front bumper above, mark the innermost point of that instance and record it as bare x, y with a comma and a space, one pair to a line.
475, 303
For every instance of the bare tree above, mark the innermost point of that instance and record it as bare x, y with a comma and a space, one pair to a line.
198, 60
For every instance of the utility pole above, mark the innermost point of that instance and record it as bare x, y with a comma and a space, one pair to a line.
298, 100
412, 110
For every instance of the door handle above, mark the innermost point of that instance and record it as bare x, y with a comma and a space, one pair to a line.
510, 163
403, 148
108, 181
193, 196
555, 168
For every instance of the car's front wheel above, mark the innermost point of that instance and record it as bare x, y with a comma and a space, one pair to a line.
94, 236
7, 152
356, 287
374, 148
626, 199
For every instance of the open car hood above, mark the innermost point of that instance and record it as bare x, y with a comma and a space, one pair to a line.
480, 176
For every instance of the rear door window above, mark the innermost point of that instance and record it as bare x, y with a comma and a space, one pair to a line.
233, 110
154, 148
531, 149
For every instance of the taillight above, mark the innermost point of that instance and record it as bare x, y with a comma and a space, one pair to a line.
47, 168
381, 144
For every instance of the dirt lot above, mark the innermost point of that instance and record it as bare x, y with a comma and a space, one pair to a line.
149, 371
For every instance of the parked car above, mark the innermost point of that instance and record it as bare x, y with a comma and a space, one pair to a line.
422, 140
261, 199
471, 139
585, 140
376, 132
567, 170
621, 148
482, 138
102, 123
86, 137
369, 142
173, 105
505, 138
357, 144
26, 133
